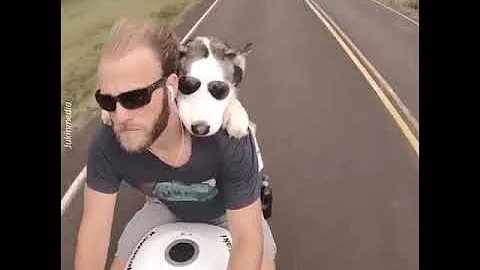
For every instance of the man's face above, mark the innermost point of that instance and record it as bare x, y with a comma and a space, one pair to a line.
136, 128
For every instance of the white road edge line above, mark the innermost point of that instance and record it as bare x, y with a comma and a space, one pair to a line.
73, 190
80, 179
194, 27
397, 12
383, 98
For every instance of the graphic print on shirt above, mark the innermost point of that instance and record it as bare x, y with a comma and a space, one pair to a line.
178, 191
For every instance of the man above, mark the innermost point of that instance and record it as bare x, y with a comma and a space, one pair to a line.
147, 147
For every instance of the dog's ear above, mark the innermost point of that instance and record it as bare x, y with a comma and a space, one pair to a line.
247, 49
239, 64
182, 51
231, 53
237, 75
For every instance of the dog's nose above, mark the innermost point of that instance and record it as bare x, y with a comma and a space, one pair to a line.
200, 128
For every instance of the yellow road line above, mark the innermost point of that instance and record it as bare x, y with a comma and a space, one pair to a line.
383, 98
397, 101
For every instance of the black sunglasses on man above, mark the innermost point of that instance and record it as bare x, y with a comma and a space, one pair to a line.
130, 100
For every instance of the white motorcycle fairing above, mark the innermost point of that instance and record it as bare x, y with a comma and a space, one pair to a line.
185, 246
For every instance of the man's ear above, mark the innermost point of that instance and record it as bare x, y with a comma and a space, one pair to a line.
172, 83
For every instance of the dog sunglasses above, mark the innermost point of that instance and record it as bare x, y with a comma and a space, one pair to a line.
188, 85
130, 100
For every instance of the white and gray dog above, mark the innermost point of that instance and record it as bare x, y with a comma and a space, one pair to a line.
209, 75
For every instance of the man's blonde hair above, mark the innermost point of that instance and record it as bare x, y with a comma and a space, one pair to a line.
128, 34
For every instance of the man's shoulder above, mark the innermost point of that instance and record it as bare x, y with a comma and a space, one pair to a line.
227, 144
103, 161
223, 139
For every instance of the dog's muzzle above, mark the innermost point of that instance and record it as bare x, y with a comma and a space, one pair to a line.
200, 128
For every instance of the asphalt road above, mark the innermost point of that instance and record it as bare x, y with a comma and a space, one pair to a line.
345, 178
389, 41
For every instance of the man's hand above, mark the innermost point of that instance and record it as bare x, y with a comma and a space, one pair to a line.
94, 232
245, 226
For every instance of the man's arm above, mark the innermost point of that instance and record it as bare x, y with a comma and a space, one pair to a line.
245, 226
95, 230
100, 195
241, 184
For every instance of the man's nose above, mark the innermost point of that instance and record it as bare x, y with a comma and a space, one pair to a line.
121, 114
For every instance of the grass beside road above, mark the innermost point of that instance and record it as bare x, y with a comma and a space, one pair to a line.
85, 24
408, 7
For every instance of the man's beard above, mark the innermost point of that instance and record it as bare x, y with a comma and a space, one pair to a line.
141, 142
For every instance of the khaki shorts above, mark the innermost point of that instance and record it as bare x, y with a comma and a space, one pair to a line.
154, 214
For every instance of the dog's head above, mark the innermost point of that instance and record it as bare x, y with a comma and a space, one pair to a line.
210, 73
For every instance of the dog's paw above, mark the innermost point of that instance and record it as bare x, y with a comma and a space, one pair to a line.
238, 121
106, 118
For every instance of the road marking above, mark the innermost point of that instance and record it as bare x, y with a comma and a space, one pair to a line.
410, 117
73, 189
194, 27
383, 98
80, 179
397, 12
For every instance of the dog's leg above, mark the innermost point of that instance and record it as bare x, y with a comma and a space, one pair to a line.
106, 118
236, 120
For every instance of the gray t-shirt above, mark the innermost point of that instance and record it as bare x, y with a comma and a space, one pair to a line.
222, 173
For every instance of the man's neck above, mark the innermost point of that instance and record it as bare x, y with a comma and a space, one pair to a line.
171, 137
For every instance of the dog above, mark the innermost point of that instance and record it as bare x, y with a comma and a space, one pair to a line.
210, 72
